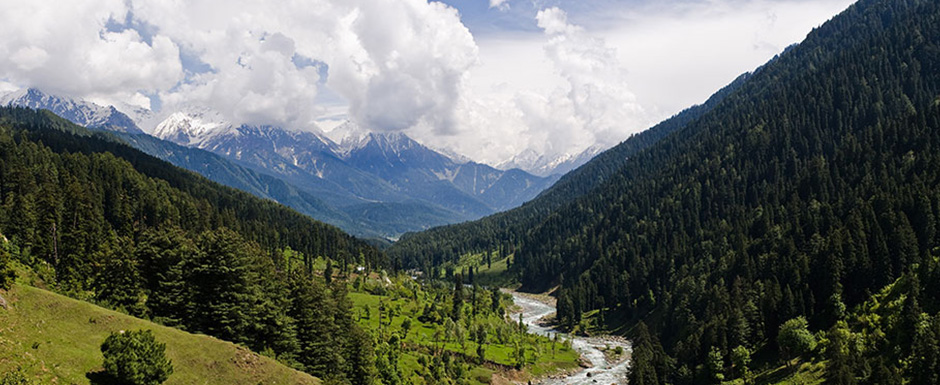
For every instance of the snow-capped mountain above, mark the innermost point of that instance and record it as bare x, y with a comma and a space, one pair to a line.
365, 166
77, 111
192, 129
369, 183
544, 165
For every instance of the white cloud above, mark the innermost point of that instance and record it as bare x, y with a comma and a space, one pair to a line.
403, 63
407, 65
554, 21
499, 4
679, 53
587, 103
395, 62
655, 58
64, 47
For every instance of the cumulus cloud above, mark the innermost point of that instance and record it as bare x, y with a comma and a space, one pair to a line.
65, 47
499, 4
598, 92
396, 62
403, 62
398, 65
590, 105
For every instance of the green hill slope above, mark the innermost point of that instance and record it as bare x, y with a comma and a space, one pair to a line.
56, 339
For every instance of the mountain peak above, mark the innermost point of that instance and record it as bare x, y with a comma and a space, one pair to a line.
78, 111
192, 127
545, 165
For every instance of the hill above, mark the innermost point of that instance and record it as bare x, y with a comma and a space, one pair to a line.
56, 339
812, 186
100, 221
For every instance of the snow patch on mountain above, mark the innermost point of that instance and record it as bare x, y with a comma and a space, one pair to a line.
80, 112
543, 165
193, 128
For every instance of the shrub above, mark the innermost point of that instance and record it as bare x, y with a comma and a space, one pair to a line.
16, 377
135, 357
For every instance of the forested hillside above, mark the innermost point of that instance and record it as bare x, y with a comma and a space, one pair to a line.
504, 230
809, 189
103, 222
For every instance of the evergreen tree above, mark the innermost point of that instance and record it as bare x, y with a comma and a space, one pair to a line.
838, 368
312, 309
7, 274
164, 256
643, 365
118, 281
458, 297
925, 355
222, 282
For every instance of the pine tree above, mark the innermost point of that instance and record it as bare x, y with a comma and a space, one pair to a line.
838, 368
7, 274
458, 297
119, 282
643, 366
222, 281
164, 255
311, 309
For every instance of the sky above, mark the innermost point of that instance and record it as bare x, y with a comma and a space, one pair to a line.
487, 79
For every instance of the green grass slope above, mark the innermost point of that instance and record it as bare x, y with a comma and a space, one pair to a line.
56, 339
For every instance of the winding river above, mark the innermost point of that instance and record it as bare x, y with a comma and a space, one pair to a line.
601, 372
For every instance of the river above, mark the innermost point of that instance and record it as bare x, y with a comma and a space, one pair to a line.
602, 372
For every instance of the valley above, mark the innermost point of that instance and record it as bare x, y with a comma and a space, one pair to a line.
784, 231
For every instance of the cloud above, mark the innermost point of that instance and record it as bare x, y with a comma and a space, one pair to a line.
65, 47
588, 103
554, 21
403, 62
395, 62
550, 80
500, 4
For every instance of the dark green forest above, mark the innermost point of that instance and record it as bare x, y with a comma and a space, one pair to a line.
100, 221
804, 207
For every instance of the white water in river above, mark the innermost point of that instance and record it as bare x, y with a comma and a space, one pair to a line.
603, 372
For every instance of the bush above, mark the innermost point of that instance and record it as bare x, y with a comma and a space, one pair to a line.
16, 377
135, 357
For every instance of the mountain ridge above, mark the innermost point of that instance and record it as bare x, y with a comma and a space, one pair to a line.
310, 172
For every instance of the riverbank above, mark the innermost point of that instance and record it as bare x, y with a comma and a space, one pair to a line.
600, 365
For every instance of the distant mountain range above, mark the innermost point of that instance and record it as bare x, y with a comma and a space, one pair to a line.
543, 165
77, 111
371, 184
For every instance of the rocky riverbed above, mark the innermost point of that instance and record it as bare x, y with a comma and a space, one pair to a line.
599, 368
